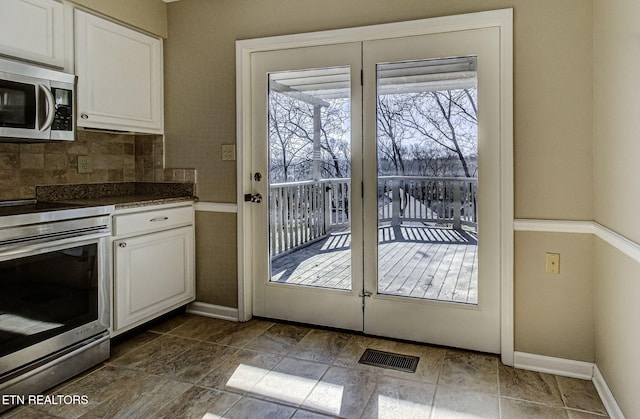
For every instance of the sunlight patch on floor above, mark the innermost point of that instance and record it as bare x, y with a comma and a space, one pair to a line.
389, 407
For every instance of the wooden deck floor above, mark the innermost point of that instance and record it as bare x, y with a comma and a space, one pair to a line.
420, 262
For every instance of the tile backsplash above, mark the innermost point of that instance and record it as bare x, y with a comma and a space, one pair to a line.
114, 157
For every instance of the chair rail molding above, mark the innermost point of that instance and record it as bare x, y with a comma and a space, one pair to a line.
227, 207
623, 244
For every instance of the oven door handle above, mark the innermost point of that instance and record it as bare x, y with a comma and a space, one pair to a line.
19, 249
50, 107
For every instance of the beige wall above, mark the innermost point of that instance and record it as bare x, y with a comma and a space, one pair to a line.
553, 128
148, 15
553, 58
215, 270
617, 111
554, 313
616, 197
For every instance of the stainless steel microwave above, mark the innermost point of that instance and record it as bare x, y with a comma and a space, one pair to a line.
36, 103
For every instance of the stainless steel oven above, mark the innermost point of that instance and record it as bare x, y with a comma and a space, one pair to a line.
54, 294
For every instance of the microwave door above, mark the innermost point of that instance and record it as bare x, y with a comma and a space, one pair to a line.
18, 104
22, 108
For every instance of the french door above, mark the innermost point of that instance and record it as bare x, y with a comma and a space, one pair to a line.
293, 92
376, 187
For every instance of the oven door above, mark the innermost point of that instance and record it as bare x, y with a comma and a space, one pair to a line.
53, 295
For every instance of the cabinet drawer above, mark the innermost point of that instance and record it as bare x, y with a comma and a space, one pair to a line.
148, 221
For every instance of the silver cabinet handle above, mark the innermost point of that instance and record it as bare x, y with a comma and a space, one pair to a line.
122, 245
84, 116
156, 219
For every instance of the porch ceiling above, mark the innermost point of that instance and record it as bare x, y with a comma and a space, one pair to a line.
318, 85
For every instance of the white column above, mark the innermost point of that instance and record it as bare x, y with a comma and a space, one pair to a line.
317, 125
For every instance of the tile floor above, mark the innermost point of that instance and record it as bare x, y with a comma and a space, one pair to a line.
197, 367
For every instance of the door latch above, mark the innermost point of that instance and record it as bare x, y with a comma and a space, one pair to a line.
363, 294
255, 198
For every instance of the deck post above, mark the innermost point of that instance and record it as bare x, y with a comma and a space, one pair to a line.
395, 202
317, 156
457, 224
325, 191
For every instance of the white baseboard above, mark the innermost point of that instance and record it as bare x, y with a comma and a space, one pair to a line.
606, 395
574, 369
551, 365
212, 310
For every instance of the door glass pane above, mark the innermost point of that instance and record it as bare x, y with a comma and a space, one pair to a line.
309, 177
427, 152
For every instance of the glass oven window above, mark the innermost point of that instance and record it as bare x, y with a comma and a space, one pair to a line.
47, 294
17, 105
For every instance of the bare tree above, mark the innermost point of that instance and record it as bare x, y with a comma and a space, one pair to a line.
437, 124
424, 133
286, 148
291, 138
447, 120
391, 132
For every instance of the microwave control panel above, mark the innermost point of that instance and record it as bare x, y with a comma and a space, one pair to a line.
63, 119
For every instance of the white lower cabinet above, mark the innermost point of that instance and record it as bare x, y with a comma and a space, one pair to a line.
153, 265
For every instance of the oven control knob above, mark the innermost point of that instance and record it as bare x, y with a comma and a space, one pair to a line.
122, 245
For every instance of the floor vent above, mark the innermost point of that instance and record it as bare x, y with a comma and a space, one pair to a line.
389, 360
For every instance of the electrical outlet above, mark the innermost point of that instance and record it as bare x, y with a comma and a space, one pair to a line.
84, 164
552, 265
228, 151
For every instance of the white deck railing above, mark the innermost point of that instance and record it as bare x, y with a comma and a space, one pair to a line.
447, 200
302, 212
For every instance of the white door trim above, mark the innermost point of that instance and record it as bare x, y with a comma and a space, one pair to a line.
502, 19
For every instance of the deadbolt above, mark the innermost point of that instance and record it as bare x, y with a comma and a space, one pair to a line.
255, 198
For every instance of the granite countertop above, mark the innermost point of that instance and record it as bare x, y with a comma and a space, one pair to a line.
129, 201
121, 194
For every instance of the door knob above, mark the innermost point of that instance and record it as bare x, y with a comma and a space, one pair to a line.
256, 198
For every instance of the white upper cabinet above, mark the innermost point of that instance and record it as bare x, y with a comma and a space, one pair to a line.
120, 85
33, 30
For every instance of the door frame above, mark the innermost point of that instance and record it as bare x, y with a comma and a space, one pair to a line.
502, 19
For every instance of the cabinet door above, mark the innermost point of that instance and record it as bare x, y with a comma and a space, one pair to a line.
32, 30
119, 76
154, 274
